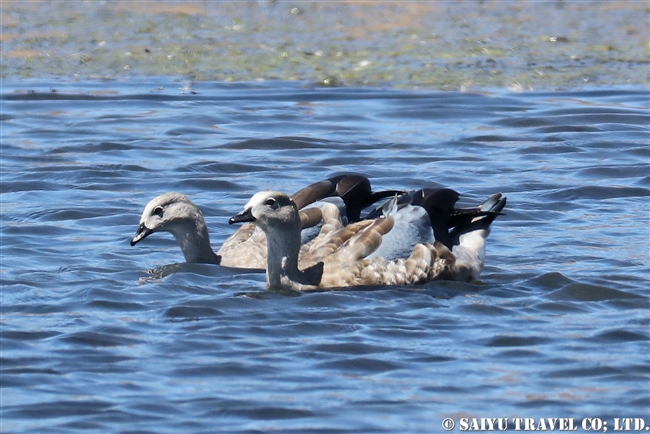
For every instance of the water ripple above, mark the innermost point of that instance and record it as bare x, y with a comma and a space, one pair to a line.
101, 336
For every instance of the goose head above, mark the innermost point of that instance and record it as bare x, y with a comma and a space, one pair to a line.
271, 211
175, 213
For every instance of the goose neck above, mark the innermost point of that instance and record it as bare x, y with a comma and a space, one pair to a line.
194, 242
282, 257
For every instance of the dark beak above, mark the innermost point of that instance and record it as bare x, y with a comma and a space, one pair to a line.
142, 233
244, 216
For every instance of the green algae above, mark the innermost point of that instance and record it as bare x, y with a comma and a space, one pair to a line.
442, 45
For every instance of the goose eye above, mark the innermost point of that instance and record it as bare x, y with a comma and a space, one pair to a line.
270, 201
158, 210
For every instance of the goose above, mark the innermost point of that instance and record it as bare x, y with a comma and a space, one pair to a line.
345, 261
246, 248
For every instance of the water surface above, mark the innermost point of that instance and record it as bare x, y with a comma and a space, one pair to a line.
557, 327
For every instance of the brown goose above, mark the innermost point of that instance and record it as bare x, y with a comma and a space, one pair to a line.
342, 254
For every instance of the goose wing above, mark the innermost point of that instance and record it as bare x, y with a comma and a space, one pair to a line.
354, 189
246, 248
426, 262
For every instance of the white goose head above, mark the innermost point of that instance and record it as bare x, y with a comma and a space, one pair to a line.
270, 210
175, 213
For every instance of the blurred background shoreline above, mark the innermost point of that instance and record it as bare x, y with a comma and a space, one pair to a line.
465, 45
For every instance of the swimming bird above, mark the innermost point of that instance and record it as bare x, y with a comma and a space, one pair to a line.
345, 261
246, 248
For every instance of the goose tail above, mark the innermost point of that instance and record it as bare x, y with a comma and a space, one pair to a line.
464, 221
469, 237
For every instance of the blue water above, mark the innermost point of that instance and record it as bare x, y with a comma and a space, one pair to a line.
559, 326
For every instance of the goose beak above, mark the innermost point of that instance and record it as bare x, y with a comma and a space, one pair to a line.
244, 216
142, 233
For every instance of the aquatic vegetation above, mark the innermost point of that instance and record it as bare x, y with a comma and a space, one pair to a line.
444, 45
